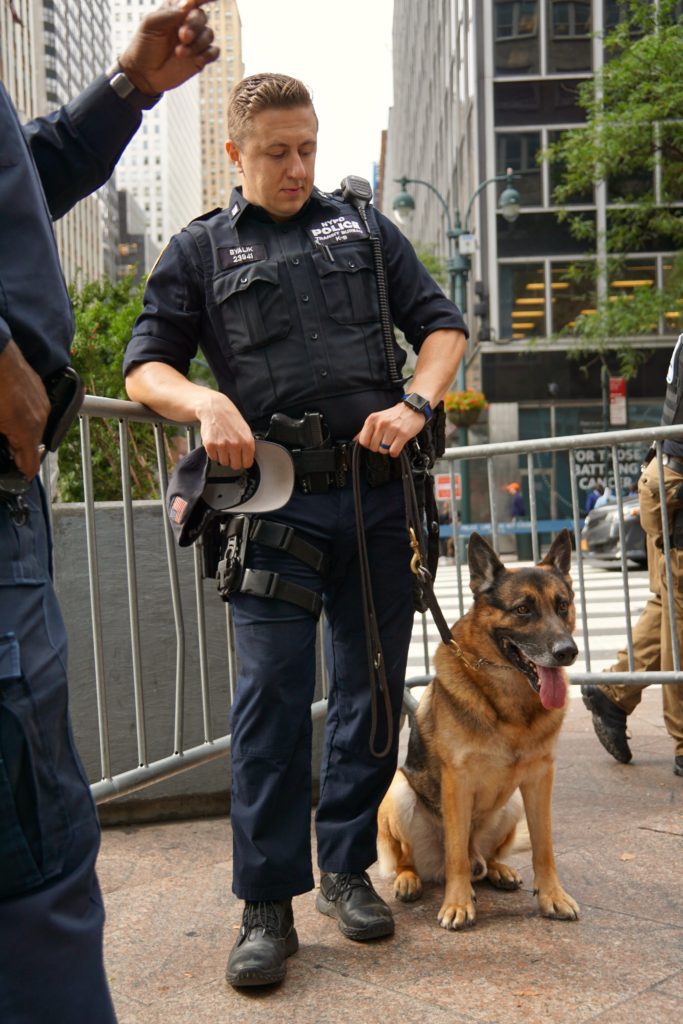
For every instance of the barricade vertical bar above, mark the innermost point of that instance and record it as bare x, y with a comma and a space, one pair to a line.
174, 580
624, 560
532, 507
322, 663
455, 522
201, 643
492, 504
131, 573
95, 598
232, 657
667, 557
579, 558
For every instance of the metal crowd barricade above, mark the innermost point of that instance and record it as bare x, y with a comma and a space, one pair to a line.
610, 440
213, 746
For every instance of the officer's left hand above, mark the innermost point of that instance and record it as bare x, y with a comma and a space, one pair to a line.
388, 431
169, 46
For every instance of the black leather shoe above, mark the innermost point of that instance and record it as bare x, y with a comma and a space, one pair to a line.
609, 722
678, 764
360, 912
267, 937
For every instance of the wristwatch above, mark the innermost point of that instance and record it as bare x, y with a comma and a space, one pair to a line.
123, 87
418, 404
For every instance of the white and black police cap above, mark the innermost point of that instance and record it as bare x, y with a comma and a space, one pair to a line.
201, 489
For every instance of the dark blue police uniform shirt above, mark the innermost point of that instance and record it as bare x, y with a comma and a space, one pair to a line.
45, 168
286, 313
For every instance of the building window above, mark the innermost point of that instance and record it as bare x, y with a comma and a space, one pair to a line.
516, 37
557, 170
515, 19
570, 20
569, 36
572, 294
522, 301
673, 318
518, 150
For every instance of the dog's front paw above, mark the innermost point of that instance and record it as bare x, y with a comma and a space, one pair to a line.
502, 876
407, 886
458, 914
555, 902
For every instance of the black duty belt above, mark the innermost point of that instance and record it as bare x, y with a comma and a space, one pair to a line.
319, 470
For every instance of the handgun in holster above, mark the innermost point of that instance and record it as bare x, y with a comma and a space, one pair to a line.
65, 392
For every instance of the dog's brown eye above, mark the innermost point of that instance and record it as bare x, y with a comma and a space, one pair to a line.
562, 607
522, 609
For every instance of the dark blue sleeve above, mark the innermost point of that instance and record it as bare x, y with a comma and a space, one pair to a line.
418, 305
171, 323
76, 148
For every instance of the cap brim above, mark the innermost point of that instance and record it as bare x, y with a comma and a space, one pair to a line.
246, 491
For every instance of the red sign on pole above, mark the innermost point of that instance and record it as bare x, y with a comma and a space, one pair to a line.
618, 415
442, 483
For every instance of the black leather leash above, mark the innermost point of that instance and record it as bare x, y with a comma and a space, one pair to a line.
373, 643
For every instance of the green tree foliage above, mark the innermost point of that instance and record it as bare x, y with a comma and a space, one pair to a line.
104, 313
632, 137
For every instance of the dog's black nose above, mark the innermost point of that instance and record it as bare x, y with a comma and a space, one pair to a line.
564, 652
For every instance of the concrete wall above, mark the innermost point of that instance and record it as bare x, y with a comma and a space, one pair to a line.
201, 790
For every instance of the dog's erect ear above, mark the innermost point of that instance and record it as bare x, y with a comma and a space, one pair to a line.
560, 553
484, 564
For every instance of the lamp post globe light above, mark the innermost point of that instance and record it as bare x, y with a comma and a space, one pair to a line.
460, 240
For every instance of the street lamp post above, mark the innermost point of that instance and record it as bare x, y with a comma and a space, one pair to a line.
460, 245
460, 239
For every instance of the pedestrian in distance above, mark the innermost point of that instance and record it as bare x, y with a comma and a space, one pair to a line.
280, 290
51, 912
596, 493
611, 705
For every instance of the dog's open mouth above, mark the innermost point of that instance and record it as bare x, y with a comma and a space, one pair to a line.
547, 682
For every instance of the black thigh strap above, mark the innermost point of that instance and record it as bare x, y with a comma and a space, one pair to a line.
285, 538
262, 583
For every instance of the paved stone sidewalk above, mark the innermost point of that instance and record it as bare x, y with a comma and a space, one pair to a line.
619, 847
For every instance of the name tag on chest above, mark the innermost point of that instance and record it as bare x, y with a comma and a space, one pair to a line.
236, 255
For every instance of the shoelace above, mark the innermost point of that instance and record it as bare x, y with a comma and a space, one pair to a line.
261, 915
344, 883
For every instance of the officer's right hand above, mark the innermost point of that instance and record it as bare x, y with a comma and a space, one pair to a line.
24, 408
226, 435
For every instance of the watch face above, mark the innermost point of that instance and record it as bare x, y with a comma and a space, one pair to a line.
415, 401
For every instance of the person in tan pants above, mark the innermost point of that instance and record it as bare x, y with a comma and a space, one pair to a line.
652, 648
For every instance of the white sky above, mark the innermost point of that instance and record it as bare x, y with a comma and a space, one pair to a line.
341, 49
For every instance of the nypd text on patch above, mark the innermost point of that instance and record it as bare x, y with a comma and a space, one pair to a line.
235, 255
339, 229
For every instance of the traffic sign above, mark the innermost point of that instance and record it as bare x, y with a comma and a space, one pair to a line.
443, 486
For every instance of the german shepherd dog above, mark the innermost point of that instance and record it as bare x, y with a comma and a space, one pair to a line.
486, 727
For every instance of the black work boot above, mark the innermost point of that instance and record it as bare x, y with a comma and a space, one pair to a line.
360, 912
609, 722
267, 937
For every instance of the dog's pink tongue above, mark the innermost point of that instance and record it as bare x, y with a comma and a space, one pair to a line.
553, 688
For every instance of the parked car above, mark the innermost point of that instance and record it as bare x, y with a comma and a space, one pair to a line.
600, 535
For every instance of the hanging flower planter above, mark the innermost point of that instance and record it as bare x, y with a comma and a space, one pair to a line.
463, 417
463, 408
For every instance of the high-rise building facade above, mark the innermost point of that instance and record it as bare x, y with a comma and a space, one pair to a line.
480, 87
215, 85
44, 64
161, 167
87, 235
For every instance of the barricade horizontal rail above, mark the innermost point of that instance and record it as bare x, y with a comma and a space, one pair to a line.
188, 596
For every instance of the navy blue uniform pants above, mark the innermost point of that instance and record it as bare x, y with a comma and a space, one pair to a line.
271, 717
51, 913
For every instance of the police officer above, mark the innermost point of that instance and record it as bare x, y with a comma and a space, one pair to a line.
280, 291
652, 648
51, 914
